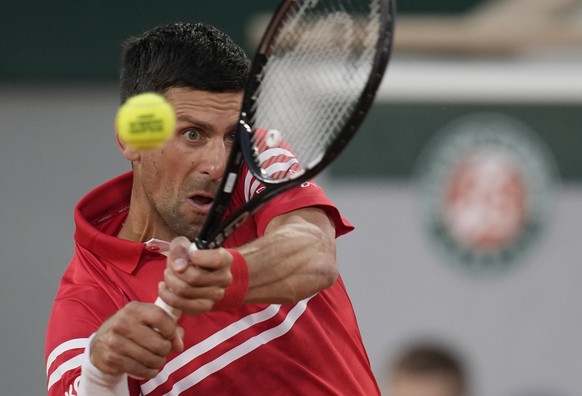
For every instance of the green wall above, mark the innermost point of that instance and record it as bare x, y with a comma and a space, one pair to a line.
79, 41
56, 40
394, 134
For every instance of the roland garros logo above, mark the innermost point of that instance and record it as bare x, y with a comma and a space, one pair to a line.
485, 182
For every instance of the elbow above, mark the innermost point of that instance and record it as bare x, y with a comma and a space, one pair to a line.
325, 257
318, 270
329, 270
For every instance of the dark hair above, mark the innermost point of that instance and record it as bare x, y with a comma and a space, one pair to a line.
428, 359
196, 56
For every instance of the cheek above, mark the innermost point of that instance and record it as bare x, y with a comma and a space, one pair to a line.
167, 158
178, 159
156, 173
151, 166
166, 169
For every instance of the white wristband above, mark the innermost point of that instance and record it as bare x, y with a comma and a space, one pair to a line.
96, 382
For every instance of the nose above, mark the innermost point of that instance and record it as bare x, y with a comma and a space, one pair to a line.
213, 159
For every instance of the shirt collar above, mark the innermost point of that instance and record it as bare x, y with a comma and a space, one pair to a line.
98, 218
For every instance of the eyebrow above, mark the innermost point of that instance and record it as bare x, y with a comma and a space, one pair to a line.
190, 120
204, 125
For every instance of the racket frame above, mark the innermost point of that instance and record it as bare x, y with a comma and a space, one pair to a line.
217, 229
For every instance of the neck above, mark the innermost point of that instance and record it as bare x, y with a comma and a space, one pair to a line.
143, 222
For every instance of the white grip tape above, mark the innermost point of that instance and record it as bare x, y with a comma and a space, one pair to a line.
173, 312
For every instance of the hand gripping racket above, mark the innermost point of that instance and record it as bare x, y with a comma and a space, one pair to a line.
312, 81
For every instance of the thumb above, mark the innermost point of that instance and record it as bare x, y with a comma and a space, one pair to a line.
178, 254
178, 340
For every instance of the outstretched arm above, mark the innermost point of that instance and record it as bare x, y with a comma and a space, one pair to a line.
293, 260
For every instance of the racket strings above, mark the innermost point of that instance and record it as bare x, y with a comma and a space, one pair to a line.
317, 68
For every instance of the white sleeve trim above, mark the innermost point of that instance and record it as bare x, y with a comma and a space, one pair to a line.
65, 346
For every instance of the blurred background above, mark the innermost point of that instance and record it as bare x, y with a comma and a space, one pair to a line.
465, 183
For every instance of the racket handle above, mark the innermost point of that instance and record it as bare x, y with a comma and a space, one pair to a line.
173, 312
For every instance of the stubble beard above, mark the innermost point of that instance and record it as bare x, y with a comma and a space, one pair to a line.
178, 222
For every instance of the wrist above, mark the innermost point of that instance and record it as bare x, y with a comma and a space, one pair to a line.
236, 292
97, 382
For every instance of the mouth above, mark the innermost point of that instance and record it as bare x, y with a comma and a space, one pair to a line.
202, 202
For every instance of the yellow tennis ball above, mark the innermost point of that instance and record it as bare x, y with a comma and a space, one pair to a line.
146, 121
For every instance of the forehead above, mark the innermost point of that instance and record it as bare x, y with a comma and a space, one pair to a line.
432, 384
187, 100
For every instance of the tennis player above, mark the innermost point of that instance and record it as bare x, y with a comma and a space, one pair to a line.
268, 314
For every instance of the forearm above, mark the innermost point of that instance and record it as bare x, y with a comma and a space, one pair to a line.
295, 258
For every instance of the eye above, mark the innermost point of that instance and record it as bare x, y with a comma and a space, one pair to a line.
192, 134
229, 137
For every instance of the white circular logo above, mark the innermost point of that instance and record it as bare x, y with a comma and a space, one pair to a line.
485, 182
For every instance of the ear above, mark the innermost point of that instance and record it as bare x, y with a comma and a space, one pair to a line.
129, 153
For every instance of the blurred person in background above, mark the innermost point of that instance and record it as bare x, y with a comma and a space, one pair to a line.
426, 369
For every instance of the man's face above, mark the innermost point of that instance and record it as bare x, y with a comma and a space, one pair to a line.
178, 181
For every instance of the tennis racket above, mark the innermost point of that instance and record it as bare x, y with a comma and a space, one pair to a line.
312, 81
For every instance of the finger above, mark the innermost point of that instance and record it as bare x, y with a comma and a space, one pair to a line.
178, 341
178, 255
115, 354
143, 324
153, 341
148, 351
135, 369
191, 306
212, 259
139, 362
190, 297
197, 277
152, 317
180, 288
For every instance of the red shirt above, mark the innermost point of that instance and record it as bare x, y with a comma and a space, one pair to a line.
313, 347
